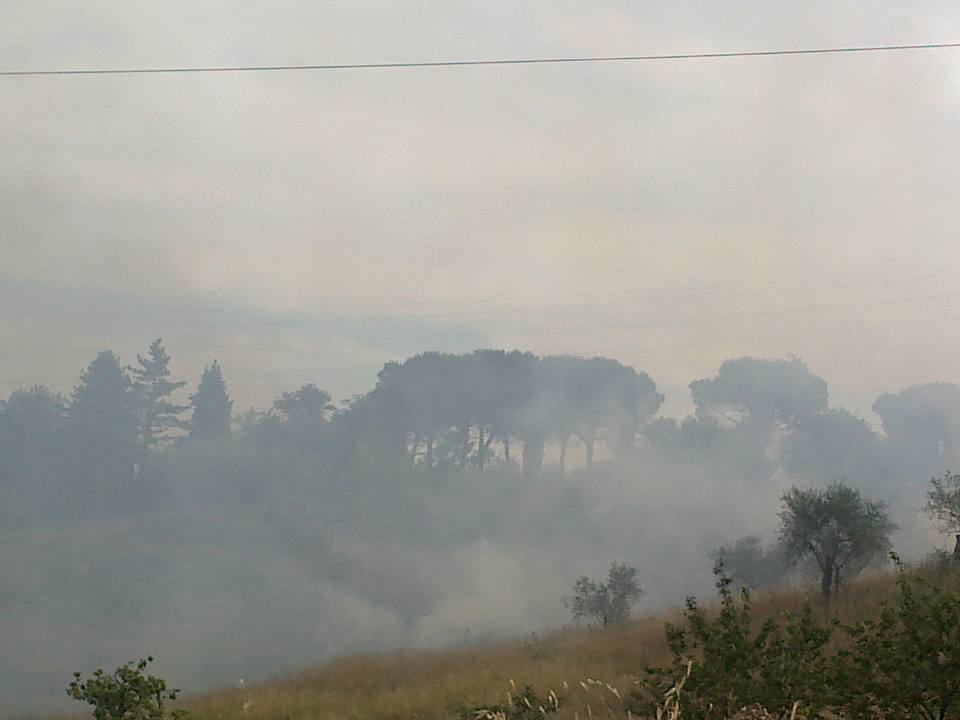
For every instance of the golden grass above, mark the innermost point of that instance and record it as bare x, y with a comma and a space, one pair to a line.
592, 670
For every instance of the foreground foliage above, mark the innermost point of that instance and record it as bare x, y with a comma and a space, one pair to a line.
128, 693
727, 665
905, 663
901, 663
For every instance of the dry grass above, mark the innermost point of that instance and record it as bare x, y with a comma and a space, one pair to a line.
591, 669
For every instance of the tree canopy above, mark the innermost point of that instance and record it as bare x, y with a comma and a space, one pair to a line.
943, 502
211, 405
838, 528
780, 391
610, 602
456, 407
103, 423
922, 425
159, 418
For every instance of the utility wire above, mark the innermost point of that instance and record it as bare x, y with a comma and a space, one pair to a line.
645, 351
474, 63
489, 315
648, 296
564, 330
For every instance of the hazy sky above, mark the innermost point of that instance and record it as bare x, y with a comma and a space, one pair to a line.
310, 226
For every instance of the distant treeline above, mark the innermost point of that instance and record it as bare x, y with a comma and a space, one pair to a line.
482, 409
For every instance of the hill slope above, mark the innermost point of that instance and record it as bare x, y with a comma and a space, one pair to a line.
593, 669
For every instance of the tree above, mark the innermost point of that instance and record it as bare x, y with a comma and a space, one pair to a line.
152, 387
32, 454
128, 693
835, 443
304, 414
211, 405
943, 506
757, 403
458, 406
778, 392
593, 398
103, 422
922, 424
750, 563
836, 527
608, 602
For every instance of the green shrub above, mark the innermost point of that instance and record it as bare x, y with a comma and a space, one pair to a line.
608, 602
905, 663
128, 693
728, 665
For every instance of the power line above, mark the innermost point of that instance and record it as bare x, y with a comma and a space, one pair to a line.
644, 350
831, 309
654, 295
475, 63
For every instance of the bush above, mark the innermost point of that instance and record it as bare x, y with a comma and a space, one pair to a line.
781, 666
128, 693
902, 664
608, 602
905, 663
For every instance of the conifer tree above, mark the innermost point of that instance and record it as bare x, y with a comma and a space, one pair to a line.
211, 405
103, 420
158, 417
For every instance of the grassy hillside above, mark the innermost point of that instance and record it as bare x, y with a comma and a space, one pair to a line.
591, 669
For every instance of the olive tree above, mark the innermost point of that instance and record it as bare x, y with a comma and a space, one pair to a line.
608, 602
835, 526
943, 506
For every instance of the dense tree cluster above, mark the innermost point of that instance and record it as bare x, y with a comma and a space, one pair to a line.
86, 452
482, 410
471, 409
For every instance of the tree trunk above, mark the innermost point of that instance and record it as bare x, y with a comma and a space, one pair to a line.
532, 454
464, 445
827, 579
485, 446
429, 451
506, 447
481, 450
956, 549
413, 452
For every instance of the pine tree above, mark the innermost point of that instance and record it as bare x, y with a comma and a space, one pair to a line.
211, 405
158, 417
103, 421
